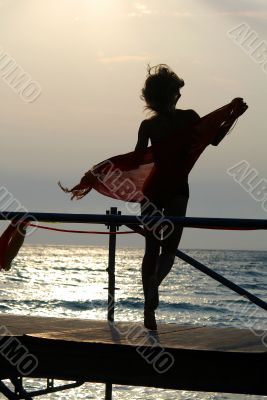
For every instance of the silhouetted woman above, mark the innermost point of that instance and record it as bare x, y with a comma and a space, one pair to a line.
167, 193
159, 174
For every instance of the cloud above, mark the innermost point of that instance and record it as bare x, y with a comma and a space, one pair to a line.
141, 10
240, 8
246, 14
120, 58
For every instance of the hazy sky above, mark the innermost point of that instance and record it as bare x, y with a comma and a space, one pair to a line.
89, 57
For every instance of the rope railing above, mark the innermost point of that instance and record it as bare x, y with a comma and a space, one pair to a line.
113, 220
48, 228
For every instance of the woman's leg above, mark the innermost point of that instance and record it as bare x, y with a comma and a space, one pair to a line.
149, 263
152, 249
176, 206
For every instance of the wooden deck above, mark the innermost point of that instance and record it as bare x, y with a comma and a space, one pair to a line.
178, 357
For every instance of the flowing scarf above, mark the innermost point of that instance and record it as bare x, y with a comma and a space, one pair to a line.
136, 176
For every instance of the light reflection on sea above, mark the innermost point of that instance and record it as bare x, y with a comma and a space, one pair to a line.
67, 281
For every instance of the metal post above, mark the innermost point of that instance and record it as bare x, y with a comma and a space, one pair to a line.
108, 392
111, 282
111, 267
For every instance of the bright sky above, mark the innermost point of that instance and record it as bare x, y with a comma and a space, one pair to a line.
89, 57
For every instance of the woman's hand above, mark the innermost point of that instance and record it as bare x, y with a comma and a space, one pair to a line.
239, 106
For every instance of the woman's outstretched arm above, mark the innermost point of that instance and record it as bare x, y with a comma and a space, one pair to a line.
239, 107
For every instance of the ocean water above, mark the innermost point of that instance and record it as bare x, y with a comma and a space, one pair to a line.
69, 281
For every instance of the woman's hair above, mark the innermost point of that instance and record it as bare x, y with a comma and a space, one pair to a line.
161, 87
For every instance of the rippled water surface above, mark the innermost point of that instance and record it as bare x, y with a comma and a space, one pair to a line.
67, 281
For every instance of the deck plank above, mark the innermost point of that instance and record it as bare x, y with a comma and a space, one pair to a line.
197, 338
204, 358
